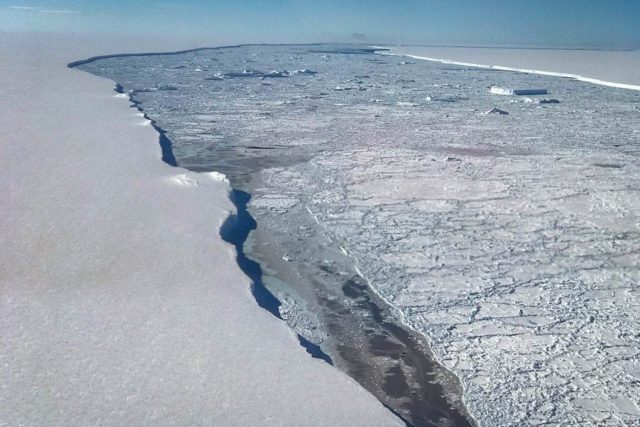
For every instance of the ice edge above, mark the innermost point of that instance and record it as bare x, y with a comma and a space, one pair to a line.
520, 70
270, 302
263, 297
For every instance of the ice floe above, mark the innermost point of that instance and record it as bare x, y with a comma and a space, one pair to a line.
496, 110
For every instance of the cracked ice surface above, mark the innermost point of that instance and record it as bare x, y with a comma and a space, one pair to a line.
523, 273
511, 242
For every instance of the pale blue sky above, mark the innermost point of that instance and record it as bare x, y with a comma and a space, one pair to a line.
544, 23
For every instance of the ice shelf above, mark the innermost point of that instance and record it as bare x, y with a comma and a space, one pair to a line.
120, 305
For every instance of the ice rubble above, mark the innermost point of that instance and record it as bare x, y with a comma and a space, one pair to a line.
119, 303
541, 100
306, 71
511, 244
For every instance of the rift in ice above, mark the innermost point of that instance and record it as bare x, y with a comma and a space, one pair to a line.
394, 213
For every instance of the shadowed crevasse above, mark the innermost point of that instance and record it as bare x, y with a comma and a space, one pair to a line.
165, 143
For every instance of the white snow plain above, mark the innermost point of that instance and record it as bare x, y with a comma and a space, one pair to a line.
119, 303
604, 67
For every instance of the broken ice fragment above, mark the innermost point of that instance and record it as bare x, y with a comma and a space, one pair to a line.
167, 87
495, 110
497, 90
245, 73
276, 73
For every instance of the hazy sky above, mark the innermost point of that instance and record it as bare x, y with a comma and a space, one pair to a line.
567, 23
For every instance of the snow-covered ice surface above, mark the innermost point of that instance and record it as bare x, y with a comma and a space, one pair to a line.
119, 302
512, 242
614, 68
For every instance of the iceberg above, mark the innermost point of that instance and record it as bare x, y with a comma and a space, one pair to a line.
496, 90
617, 69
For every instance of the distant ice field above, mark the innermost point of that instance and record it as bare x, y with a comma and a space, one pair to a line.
614, 68
511, 241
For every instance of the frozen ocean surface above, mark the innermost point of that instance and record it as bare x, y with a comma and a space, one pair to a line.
511, 242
